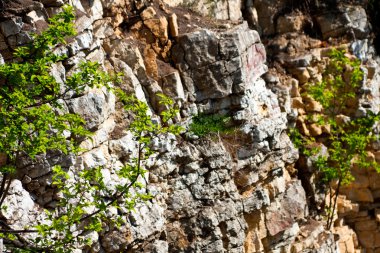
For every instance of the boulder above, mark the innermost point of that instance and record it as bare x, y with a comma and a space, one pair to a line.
283, 214
172, 86
358, 195
350, 19
11, 26
92, 107
257, 200
103, 28
148, 13
159, 27
290, 23
213, 73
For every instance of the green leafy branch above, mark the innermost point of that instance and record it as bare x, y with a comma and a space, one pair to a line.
347, 142
33, 121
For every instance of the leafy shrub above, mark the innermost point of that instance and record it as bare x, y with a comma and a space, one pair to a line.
33, 121
346, 142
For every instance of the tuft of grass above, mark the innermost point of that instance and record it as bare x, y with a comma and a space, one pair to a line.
203, 124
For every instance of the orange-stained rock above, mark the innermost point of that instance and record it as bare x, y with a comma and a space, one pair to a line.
303, 129
148, 13
361, 181
347, 239
315, 129
358, 194
366, 238
377, 156
377, 239
173, 25
294, 90
151, 62
290, 23
297, 103
301, 74
342, 119
313, 106
159, 27
367, 225
326, 128
374, 180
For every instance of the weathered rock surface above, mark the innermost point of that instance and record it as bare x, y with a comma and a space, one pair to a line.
299, 57
349, 19
230, 194
230, 9
220, 64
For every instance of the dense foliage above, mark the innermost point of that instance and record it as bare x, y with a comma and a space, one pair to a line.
33, 120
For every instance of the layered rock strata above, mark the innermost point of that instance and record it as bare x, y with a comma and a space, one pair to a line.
237, 193
298, 50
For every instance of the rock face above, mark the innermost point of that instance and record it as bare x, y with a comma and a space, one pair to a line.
298, 59
351, 20
236, 193
220, 64
229, 9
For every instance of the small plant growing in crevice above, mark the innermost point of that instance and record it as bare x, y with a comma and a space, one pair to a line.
220, 128
347, 141
203, 124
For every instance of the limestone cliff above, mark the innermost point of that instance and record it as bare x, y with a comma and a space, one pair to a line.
243, 193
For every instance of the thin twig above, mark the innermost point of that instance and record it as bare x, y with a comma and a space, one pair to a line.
5, 193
